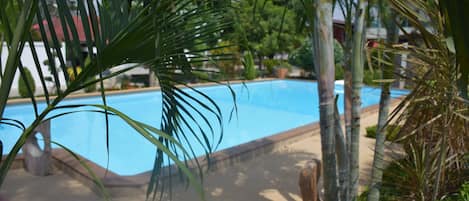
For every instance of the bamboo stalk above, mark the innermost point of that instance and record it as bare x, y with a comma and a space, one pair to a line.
357, 81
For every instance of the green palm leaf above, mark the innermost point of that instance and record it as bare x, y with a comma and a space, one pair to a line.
157, 34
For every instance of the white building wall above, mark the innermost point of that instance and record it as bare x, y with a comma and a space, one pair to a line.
28, 61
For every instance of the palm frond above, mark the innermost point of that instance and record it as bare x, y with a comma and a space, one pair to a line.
159, 34
435, 99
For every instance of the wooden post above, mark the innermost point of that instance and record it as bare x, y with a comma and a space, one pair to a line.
309, 180
37, 160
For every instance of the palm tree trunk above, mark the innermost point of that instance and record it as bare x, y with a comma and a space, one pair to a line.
348, 90
378, 159
342, 156
357, 80
347, 8
392, 37
348, 79
324, 64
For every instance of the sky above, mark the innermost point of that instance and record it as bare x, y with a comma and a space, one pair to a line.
337, 15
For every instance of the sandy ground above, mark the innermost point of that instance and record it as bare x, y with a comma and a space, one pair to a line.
269, 177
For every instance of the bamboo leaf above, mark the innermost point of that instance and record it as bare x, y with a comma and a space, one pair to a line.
450, 44
466, 118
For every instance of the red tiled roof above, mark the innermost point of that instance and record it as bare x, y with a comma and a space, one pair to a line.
60, 31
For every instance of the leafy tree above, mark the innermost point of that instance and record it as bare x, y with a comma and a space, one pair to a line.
265, 28
270, 65
228, 59
302, 58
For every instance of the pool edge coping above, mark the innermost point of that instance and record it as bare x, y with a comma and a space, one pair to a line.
18, 101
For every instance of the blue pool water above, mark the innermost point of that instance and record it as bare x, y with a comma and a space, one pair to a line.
264, 108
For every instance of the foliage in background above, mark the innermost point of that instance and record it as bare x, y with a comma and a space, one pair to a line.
302, 56
338, 53
283, 64
227, 67
461, 195
23, 87
249, 69
71, 72
265, 27
370, 77
391, 132
375, 57
270, 65
91, 87
389, 189
201, 76
339, 72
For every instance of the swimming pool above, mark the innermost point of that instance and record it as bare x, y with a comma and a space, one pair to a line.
264, 108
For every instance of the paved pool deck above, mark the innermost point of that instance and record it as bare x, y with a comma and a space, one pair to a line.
271, 176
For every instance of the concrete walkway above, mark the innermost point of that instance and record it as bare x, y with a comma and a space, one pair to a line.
269, 177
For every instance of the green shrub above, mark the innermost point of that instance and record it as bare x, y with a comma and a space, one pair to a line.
22, 88
284, 64
339, 72
391, 132
400, 181
338, 52
303, 56
227, 64
270, 65
201, 76
389, 191
92, 87
369, 76
392, 177
464, 192
374, 58
249, 70
461, 195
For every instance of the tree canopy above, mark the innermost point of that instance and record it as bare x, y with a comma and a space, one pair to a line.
302, 56
266, 28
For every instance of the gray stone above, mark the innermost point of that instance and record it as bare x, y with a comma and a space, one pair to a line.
36, 160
